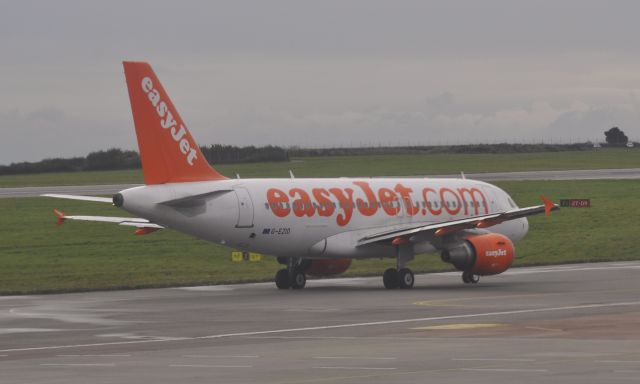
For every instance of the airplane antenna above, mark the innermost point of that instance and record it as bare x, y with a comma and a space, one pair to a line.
291, 174
462, 175
237, 175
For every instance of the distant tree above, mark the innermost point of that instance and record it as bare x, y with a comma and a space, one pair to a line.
113, 158
615, 136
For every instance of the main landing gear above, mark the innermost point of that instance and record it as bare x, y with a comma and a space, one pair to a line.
291, 277
400, 277
393, 278
469, 278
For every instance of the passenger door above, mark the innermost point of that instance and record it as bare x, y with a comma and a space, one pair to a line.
245, 208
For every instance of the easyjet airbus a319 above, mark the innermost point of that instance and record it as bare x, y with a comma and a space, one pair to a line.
313, 226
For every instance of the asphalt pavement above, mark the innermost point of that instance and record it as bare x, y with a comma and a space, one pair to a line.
560, 324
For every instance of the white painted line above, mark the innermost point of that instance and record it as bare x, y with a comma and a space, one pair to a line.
107, 355
509, 370
618, 361
208, 366
7, 331
78, 365
626, 371
222, 356
497, 359
354, 357
360, 368
329, 337
337, 326
4, 355
527, 271
207, 288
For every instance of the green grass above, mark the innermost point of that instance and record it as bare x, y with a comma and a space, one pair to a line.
38, 256
383, 165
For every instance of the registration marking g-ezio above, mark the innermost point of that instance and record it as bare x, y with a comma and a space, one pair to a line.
276, 231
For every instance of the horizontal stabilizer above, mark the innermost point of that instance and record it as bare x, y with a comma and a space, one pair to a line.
81, 198
128, 221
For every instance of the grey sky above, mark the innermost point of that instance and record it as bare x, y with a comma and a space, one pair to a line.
320, 73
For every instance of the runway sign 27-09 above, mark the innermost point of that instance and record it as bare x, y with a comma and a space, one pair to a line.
575, 203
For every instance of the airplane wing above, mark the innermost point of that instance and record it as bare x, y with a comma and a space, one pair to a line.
448, 227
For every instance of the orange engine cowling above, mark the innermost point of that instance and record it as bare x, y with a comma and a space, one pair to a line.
481, 255
327, 267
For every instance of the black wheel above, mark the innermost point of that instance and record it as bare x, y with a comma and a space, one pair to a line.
406, 279
299, 280
282, 279
469, 278
391, 279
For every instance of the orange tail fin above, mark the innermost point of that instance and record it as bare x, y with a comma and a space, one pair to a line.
168, 152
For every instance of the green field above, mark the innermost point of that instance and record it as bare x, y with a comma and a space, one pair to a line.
38, 256
383, 165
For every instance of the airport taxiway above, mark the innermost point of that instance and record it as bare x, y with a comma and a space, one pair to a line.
571, 324
586, 174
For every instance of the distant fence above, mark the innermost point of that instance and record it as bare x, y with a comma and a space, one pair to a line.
114, 159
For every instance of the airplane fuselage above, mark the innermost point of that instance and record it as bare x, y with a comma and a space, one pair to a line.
317, 218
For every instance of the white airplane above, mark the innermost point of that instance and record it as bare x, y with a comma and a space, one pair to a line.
313, 226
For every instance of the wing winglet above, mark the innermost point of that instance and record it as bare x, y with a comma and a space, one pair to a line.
60, 215
548, 205
145, 231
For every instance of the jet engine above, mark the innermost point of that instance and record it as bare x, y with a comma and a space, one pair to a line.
481, 255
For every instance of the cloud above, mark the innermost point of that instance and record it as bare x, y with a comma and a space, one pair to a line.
50, 132
319, 73
592, 122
